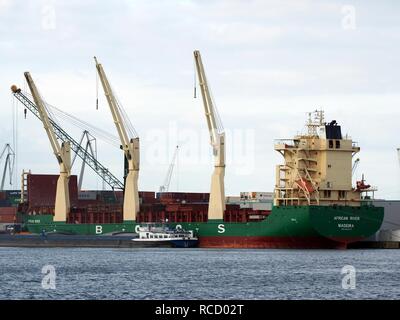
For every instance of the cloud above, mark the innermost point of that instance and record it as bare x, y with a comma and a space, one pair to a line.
268, 62
4, 4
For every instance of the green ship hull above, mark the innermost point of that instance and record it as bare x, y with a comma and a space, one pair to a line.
285, 227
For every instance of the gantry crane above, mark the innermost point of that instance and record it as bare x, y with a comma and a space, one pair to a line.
76, 147
62, 153
8, 164
167, 181
216, 206
130, 146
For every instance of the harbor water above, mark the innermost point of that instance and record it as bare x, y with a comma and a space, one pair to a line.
75, 273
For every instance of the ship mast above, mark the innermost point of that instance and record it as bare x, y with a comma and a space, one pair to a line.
216, 206
130, 146
62, 153
315, 121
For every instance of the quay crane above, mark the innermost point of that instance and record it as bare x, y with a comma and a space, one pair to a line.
216, 206
130, 146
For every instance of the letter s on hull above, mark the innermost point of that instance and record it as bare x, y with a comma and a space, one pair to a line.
221, 228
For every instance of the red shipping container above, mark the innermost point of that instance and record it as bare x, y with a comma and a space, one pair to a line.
42, 189
8, 210
8, 215
8, 218
147, 194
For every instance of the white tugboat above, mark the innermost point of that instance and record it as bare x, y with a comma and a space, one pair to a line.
165, 236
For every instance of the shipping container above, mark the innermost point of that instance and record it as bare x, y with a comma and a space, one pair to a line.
5, 203
257, 196
182, 197
8, 214
232, 200
8, 210
87, 195
262, 206
147, 194
8, 218
13, 194
42, 189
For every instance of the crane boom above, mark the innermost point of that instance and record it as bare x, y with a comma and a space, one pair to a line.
207, 100
116, 114
217, 135
45, 119
79, 150
216, 206
130, 145
62, 153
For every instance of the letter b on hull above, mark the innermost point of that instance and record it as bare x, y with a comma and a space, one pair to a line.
99, 229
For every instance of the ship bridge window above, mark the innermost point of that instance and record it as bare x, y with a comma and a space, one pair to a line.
330, 144
342, 194
327, 193
337, 144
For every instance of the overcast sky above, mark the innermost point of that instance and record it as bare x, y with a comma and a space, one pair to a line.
268, 63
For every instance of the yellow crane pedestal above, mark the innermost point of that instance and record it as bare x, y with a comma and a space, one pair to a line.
62, 205
131, 198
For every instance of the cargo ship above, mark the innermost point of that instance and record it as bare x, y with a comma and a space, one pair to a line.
315, 202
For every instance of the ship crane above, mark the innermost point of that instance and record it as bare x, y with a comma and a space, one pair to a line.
62, 153
216, 206
9, 154
130, 146
167, 181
